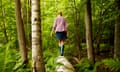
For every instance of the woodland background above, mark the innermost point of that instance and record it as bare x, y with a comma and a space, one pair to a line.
105, 16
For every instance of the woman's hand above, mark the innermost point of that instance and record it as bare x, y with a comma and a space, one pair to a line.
51, 34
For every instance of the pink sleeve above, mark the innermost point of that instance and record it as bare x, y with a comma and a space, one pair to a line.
55, 24
66, 26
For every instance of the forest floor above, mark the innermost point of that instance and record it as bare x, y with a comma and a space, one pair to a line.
99, 56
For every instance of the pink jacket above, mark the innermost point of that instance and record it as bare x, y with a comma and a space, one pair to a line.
60, 24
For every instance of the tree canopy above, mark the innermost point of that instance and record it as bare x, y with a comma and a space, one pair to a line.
105, 21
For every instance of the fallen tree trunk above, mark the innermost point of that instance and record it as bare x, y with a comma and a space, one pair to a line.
63, 65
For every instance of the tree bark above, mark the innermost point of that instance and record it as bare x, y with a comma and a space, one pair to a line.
117, 33
4, 24
37, 56
66, 67
88, 22
77, 25
24, 11
21, 32
26, 15
78, 40
29, 22
98, 37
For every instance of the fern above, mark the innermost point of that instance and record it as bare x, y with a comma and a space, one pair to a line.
112, 64
85, 65
6, 60
10, 59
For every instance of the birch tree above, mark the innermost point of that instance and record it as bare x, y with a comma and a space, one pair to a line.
37, 56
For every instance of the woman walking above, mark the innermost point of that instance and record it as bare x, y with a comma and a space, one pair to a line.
60, 28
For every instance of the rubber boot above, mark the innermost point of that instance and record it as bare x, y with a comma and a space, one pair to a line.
62, 50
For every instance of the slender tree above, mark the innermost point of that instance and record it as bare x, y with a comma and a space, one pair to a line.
77, 30
98, 36
29, 22
78, 40
117, 33
21, 32
3, 23
24, 11
26, 15
88, 22
37, 56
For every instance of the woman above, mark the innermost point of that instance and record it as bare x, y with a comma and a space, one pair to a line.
60, 28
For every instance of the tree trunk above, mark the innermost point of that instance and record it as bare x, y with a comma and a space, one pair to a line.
5, 31
78, 40
37, 56
117, 33
98, 37
27, 21
66, 67
88, 22
24, 11
21, 32
77, 25
4, 24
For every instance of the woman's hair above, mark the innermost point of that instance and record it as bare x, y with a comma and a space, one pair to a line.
60, 13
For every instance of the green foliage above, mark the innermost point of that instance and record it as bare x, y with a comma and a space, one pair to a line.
9, 52
50, 66
49, 59
104, 15
85, 65
11, 60
113, 65
20, 67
